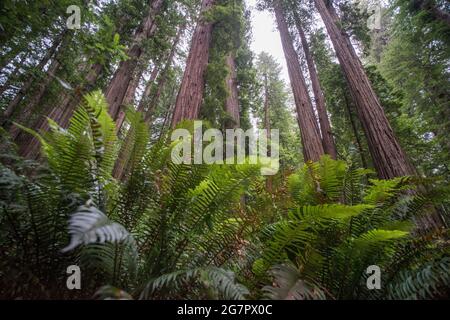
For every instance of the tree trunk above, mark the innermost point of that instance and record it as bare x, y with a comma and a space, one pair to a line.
144, 102
267, 125
266, 106
388, 157
232, 101
309, 131
150, 100
31, 106
115, 93
128, 100
190, 95
325, 127
355, 131
163, 76
62, 113
168, 115
121, 164
29, 82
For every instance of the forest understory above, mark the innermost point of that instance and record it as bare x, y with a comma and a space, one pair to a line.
101, 196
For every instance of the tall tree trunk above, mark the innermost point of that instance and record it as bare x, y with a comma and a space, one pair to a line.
388, 157
32, 105
120, 167
29, 82
121, 163
128, 100
355, 131
266, 106
21, 138
190, 95
144, 102
232, 101
325, 127
62, 113
167, 117
163, 76
309, 131
118, 86
267, 125
150, 99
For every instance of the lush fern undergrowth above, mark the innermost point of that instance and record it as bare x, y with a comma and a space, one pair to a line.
177, 231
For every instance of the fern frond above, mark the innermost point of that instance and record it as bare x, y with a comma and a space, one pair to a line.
89, 225
430, 280
289, 285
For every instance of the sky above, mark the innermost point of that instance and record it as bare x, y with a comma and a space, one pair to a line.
266, 37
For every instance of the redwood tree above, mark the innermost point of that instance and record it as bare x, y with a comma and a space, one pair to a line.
325, 127
116, 91
388, 157
232, 101
309, 131
190, 95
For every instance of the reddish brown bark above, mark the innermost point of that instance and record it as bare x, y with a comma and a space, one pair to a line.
388, 157
190, 95
325, 127
115, 93
309, 131
232, 101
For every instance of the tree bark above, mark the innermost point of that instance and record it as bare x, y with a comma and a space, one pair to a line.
232, 101
190, 95
329, 145
115, 93
309, 131
388, 157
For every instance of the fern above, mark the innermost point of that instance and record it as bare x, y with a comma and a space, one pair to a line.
288, 285
90, 225
221, 280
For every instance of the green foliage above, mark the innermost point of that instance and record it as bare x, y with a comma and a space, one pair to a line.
163, 230
170, 217
280, 111
329, 245
288, 285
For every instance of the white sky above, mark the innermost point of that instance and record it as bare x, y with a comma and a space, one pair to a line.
266, 37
